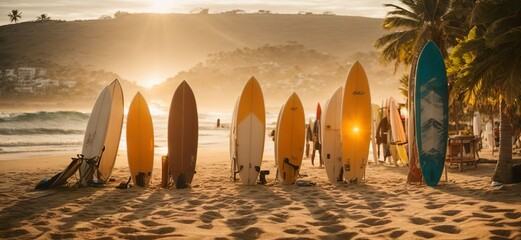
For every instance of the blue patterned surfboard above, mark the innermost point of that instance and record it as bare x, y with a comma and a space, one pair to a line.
431, 111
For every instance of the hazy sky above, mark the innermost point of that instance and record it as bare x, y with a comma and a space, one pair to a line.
93, 9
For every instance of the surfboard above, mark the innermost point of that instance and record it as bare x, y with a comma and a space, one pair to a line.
290, 139
95, 133
233, 143
398, 132
374, 125
113, 132
390, 139
183, 130
331, 139
489, 134
276, 136
140, 141
250, 132
476, 124
431, 109
356, 124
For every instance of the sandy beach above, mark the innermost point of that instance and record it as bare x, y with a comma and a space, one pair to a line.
465, 207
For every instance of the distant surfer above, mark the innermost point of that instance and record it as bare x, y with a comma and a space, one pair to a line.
309, 137
218, 122
382, 134
316, 143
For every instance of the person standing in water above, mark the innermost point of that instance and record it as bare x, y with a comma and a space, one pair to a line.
309, 138
316, 144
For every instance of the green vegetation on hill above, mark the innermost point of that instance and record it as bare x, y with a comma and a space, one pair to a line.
135, 45
280, 69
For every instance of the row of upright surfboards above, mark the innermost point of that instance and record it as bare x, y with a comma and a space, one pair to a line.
104, 128
346, 130
346, 127
346, 119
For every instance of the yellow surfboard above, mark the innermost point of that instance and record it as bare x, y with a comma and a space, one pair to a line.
356, 124
398, 132
290, 139
140, 141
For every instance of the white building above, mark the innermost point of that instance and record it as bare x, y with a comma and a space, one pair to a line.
26, 73
10, 73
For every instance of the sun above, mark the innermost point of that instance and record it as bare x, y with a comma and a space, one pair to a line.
160, 6
151, 81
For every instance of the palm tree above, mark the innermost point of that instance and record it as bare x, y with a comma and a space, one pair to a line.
488, 63
411, 27
14, 15
43, 18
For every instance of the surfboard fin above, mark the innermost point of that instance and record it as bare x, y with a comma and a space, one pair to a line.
295, 167
235, 173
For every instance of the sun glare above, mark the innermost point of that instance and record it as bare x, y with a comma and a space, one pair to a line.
151, 81
160, 6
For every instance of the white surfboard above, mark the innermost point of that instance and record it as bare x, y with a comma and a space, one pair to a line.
96, 131
331, 138
250, 132
113, 132
375, 121
233, 143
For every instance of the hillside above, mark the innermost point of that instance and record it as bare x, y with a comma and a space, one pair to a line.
141, 46
281, 70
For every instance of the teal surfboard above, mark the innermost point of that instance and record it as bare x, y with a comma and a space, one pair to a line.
431, 112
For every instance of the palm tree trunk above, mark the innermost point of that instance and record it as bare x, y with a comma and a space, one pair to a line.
503, 172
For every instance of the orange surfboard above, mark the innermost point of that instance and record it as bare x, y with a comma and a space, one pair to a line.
140, 141
356, 124
289, 141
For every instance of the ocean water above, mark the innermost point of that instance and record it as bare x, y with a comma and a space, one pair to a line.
47, 133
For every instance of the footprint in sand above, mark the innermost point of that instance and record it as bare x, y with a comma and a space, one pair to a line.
438, 219
375, 204
501, 232
332, 229
127, 230
186, 221
240, 223
209, 216
376, 221
479, 215
397, 234
163, 230
250, 233
279, 217
451, 229
451, 212
424, 234
63, 236
432, 205
419, 221
14, 233
513, 215
494, 209
150, 223
298, 230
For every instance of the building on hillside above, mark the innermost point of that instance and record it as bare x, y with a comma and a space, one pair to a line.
69, 83
25, 86
26, 73
41, 72
10, 74
43, 84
